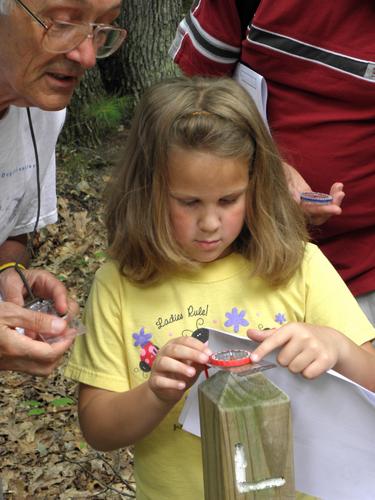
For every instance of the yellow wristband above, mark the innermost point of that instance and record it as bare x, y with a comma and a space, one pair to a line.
8, 265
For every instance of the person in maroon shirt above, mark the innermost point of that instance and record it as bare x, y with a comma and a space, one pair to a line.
318, 59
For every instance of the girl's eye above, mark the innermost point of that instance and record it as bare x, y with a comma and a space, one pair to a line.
228, 201
189, 203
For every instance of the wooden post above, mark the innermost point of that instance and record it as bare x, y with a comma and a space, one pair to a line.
246, 438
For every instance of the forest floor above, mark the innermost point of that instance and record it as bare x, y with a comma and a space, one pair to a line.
42, 452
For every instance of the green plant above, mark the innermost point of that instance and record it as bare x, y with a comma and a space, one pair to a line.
40, 407
109, 111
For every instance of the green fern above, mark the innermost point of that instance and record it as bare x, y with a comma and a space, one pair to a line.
109, 112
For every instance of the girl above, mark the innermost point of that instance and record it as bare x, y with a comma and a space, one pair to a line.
202, 232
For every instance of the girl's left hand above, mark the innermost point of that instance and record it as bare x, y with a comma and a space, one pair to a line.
307, 349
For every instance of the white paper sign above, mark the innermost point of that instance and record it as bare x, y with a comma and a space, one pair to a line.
255, 85
333, 425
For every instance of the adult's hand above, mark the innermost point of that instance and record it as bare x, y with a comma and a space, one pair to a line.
24, 354
43, 284
319, 214
316, 214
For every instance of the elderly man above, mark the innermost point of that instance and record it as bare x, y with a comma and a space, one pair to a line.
45, 48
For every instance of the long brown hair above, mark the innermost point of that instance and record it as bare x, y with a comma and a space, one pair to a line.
214, 115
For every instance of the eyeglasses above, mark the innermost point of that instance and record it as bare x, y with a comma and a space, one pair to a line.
63, 36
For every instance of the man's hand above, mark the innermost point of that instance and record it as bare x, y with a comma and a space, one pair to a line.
319, 214
316, 214
23, 354
43, 284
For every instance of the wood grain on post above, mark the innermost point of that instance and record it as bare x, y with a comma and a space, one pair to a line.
247, 440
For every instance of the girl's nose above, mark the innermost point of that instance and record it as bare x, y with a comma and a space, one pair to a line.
209, 221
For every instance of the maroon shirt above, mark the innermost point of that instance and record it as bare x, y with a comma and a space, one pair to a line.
318, 59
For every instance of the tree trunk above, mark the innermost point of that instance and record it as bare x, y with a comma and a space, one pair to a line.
143, 59
81, 128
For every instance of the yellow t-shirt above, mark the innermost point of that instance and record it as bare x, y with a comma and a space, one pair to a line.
127, 323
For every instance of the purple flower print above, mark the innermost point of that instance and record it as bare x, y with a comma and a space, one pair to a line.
280, 318
141, 338
236, 319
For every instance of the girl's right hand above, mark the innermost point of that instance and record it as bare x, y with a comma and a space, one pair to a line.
176, 368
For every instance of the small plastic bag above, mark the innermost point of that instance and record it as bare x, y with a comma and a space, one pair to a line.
75, 325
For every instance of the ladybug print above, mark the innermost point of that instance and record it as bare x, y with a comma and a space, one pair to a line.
148, 349
148, 355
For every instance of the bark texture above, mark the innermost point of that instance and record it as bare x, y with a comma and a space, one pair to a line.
143, 59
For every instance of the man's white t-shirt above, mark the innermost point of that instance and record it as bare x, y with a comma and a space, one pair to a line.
18, 174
